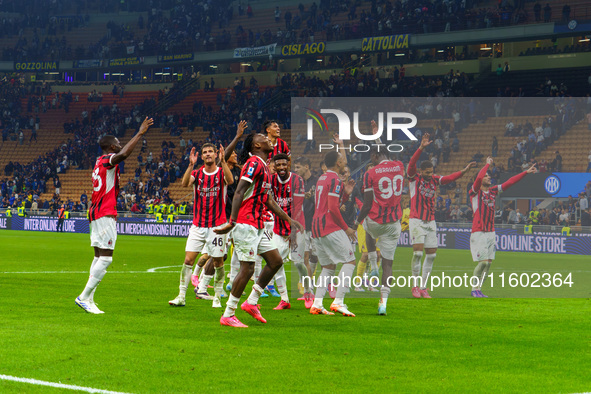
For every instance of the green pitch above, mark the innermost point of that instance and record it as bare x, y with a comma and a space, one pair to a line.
142, 345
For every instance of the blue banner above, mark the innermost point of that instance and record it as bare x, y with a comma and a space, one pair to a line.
507, 240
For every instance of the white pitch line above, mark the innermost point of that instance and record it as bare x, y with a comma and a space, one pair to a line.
57, 385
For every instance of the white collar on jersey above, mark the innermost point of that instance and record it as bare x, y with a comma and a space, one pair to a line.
332, 172
287, 180
211, 173
262, 161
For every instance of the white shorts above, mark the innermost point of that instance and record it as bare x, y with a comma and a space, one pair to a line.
308, 244
250, 241
483, 245
422, 232
386, 234
334, 248
283, 246
297, 251
204, 240
103, 233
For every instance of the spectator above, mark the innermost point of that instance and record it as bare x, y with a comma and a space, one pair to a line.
547, 13
563, 219
583, 202
586, 217
538, 12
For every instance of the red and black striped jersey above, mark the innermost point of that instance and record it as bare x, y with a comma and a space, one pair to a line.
327, 216
483, 205
209, 206
386, 181
422, 191
280, 147
105, 188
422, 197
255, 172
289, 195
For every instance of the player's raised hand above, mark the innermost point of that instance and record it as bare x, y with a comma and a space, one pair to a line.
472, 164
336, 140
224, 230
193, 156
241, 127
146, 125
490, 161
532, 169
350, 186
425, 141
221, 153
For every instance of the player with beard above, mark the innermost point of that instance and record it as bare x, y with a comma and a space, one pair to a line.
235, 168
247, 225
209, 212
381, 213
482, 240
288, 189
422, 226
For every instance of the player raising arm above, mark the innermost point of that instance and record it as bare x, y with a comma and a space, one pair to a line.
209, 211
247, 225
422, 226
482, 239
103, 210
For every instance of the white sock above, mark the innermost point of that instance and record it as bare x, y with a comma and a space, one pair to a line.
204, 282
234, 267
218, 282
94, 260
484, 274
385, 292
256, 292
281, 280
322, 285
416, 265
231, 306
97, 273
197, 270
478, 273
373, 260
427, 267
185, 279
303, 272
345, 277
